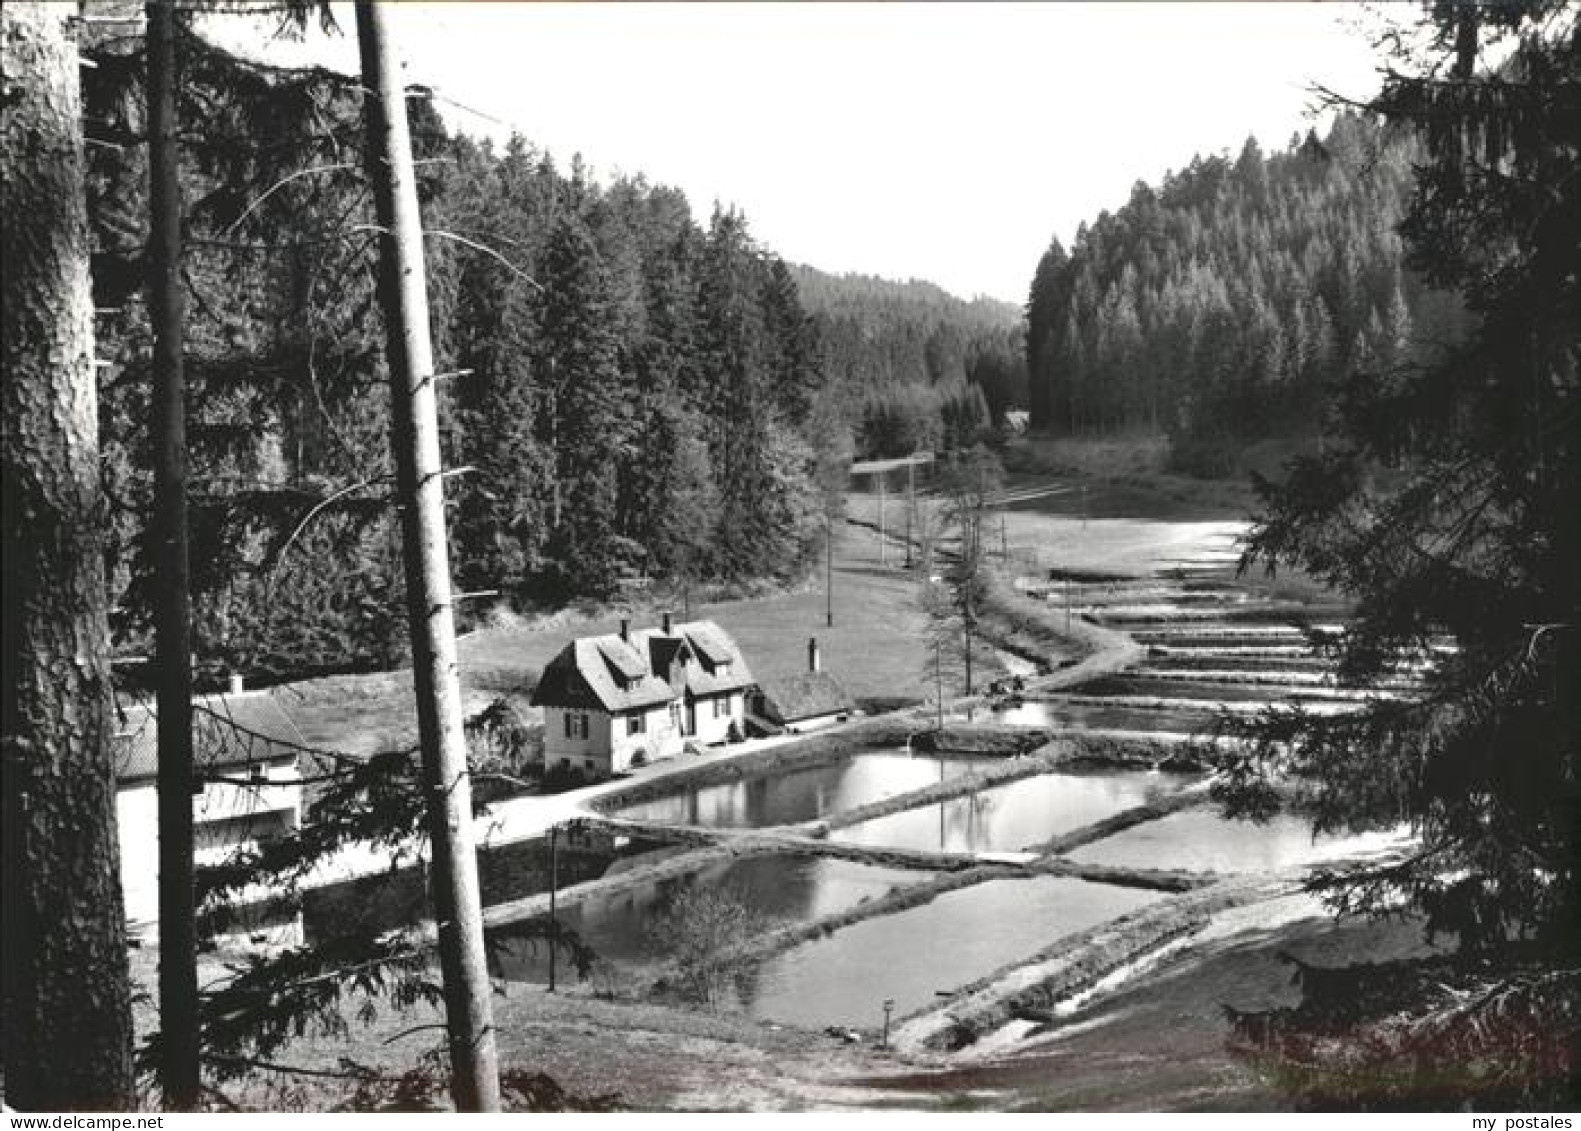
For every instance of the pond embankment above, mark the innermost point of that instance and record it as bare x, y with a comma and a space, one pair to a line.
1076, 964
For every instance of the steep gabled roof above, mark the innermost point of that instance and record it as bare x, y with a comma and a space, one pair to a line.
627, 663
614, 674
705, 637
589, 674
805, 695
664, 652
713, 645
228, 731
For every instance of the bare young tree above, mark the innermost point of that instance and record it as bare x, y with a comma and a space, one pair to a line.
63, 982
420, 490
954, 604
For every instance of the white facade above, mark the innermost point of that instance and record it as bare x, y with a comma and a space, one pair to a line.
595, 743
714, 715
226, 816
616, 701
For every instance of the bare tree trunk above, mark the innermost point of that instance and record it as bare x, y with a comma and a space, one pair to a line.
415, 442
63, 980
178, 976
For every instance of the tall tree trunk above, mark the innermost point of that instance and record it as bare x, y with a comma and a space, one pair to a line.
63, 981
415, 442
178, 978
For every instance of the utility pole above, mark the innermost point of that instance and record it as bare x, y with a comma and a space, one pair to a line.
828, 566
178, 971
911, 501
554, 891
420, 489
881, 554
938, 674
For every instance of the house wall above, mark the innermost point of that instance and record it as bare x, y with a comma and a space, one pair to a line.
711, 729
588, 755
137, 828
225, 817
660, 739
607, 749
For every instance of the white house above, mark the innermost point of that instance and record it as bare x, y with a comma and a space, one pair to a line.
244, 750
615, 701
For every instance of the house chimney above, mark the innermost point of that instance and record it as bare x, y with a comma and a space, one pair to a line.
812, 654
237, 683
625, 629
667, 622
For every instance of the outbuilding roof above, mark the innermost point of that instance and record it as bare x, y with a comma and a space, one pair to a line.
805, 695
227, 731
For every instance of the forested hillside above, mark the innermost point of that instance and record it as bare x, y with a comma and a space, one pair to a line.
915, 366
624, 392
1220, 305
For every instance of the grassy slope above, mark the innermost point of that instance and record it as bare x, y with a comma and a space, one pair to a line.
1125, 520
875, 648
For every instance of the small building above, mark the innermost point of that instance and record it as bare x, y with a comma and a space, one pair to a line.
623, 699
244, 750
801, 702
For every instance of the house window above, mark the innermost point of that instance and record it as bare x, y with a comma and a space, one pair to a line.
576, 724
722, 707
722, 668
257, 771
636, 724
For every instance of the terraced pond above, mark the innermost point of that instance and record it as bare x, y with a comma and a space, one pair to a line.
911, 955
1018, 815
781, 888
1201, 840
803, 794
1217, 650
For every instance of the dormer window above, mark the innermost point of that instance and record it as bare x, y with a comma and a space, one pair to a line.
722, 668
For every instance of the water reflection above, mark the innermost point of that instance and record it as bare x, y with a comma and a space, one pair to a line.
782, 888
1203, 840
960, 936
394, 899
1049, 713
802, 794
1017, 815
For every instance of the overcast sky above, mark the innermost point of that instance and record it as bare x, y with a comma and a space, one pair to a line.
937, 141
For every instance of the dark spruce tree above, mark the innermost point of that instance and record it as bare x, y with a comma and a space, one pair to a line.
734, 359
578, 357
1448, 506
